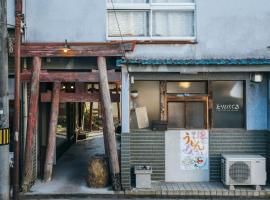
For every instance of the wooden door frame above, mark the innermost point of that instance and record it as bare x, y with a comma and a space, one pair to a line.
185, 99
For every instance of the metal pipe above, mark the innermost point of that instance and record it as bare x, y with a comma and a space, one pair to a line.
17, 53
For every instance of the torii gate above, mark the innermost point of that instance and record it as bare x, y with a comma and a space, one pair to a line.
102, 76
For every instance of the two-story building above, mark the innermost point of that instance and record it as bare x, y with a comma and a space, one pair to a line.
199, 67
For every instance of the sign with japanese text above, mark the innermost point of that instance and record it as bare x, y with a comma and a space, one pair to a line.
194, 154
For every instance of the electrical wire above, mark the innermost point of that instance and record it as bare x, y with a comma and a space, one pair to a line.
119, 29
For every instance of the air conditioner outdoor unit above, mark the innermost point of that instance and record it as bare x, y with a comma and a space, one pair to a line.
243, 169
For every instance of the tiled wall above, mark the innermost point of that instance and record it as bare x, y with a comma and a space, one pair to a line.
148, 148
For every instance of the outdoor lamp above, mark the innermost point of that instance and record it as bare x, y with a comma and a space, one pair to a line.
66, 47
256, 77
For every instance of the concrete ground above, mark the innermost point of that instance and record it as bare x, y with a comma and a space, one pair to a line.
69, 181
70, 172
100, 198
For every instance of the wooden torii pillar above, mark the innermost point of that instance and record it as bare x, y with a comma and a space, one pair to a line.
52, 131
109, 132
31, 124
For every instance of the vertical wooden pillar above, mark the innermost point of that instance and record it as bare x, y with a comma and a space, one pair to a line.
52, 132
17, 60
91, 116
91, 111
108, 119
163, 106
31, 124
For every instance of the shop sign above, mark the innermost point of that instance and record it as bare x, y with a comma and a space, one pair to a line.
228, 107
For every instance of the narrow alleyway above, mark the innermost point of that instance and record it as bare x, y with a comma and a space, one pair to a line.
70, 173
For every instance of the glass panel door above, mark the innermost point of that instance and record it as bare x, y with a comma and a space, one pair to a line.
176, 115
195, 115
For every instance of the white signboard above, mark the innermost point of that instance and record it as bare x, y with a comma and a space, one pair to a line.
186, 156
194, 149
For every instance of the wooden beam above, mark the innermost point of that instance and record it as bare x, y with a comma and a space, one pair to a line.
77, 97
52, 132
109, 125
31, 124
76, 49
60, 76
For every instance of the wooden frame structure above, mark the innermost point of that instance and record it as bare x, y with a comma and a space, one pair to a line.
56, 96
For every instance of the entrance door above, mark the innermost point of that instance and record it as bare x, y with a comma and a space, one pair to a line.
186, 141
187, 112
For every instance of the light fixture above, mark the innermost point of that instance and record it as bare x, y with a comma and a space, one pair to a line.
184, 85
256, 77
66, 47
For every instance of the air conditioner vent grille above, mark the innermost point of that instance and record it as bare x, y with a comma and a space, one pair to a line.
239, 172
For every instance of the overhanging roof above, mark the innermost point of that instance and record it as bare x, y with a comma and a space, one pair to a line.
196, 66
250, 61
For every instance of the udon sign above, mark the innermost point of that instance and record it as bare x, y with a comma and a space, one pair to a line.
194, 149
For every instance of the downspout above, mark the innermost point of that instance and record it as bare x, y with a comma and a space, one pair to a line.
17, 55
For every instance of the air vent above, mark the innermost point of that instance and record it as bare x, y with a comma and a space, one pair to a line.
239, 172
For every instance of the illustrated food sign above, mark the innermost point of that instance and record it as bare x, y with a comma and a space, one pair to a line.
194, 149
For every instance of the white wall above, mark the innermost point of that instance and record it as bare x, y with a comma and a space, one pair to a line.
225, 28
57, 20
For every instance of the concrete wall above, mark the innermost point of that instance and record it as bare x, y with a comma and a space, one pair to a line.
225, 28
55, 21
256, 105
149, 96
148, 148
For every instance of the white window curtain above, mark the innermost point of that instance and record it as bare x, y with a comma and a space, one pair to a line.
173, 23
131, 23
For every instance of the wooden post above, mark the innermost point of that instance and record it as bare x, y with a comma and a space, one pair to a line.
52, 132
91, 116
31, 124
17, 101
91, 111
163, 106
108, 117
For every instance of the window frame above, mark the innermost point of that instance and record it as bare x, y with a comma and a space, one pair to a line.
152, 7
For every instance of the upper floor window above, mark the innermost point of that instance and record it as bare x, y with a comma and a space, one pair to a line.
151, 19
